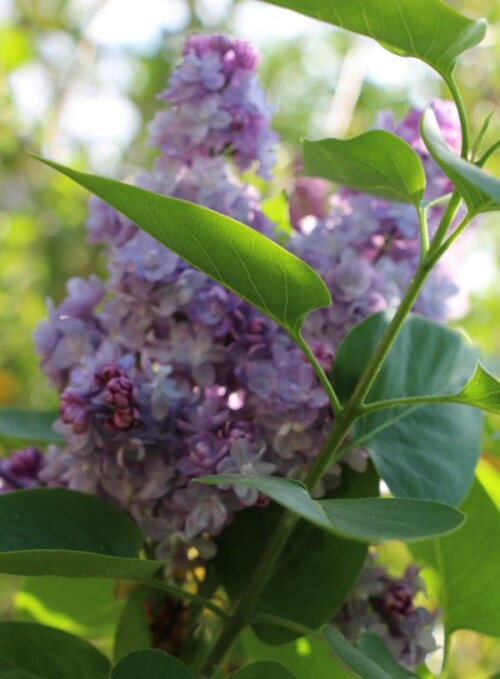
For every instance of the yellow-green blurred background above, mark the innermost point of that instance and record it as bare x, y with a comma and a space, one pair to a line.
78, 80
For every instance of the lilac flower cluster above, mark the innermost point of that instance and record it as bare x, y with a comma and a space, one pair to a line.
164, 375
385, 606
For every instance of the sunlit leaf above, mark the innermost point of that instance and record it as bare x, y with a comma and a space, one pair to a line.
482, 391
427, 29
243, 260
376, 162
54, 531
366, 519
480, 190
467, 566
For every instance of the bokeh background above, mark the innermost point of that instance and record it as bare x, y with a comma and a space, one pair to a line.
78, 80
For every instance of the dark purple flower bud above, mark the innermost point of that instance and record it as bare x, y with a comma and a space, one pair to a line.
21, 469
74, 411
26, 462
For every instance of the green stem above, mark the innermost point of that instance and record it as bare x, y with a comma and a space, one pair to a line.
288, 624
424, 232
487, 154
180, 593
439, 252
446, 220
464, 123
244, 608
320, 373
409, 401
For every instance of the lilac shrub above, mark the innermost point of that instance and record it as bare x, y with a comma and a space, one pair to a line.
165, 376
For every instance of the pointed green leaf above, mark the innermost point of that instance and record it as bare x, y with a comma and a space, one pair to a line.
150, 664
482, 391
480, 190
243, 260
427, 29
291, 593
50, 653
28, 425
423, 451
376, 162
374, 648
358, 662
467, 564
263, 669
367, 520
54, 531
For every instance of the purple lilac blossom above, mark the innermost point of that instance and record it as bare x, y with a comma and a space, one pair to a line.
169, 376
21, 469
385, 605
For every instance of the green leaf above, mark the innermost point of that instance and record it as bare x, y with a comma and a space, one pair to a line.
263, 669
427, 451
358, 662
133, 633
376, 162
9, 670
63, 532
243, 260
50, 653
480, 190
367, 520
427, 29
374, 648
482, 391
307, 658
150, 664
28, 425
87, 608
291, 593
467, 565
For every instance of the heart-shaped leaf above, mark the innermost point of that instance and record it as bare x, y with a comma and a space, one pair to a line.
54, 531
427, 29
243, 260
49, 653
480, 190
28, 425
426, 451
150, 664
367, 519
467, 565
263, 669
376, 162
